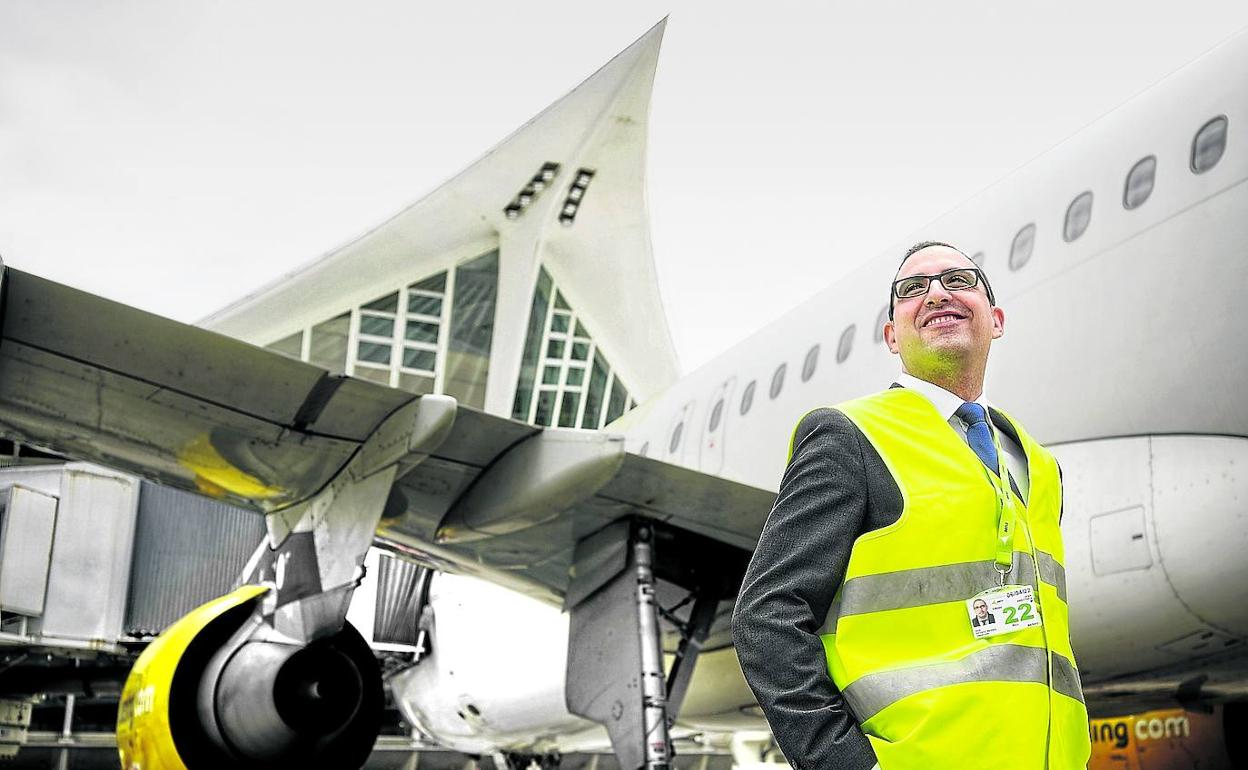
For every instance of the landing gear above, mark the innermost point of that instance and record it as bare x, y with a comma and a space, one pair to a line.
615, 657
615, 663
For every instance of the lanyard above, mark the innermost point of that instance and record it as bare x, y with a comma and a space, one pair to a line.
1007, 514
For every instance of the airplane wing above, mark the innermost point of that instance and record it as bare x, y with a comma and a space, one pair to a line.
97, 380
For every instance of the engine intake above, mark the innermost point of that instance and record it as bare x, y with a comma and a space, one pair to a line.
218, 690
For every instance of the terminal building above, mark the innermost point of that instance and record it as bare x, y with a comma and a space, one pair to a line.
524, 287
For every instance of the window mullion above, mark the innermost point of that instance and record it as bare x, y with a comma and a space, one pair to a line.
540, 376
444, 333
353, 340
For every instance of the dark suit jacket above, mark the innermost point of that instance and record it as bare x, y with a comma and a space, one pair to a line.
991, 619
834, 489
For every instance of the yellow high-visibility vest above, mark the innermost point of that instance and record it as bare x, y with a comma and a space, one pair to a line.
898, 638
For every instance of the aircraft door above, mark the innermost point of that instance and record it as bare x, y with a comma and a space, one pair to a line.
711, 452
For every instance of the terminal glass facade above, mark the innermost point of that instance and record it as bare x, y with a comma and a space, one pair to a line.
430, 336
565, 380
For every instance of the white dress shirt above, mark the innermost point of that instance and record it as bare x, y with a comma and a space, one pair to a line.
948, 403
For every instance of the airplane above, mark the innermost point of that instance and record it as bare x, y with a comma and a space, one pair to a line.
569, 562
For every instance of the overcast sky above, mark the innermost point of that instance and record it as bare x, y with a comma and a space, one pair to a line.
175, 155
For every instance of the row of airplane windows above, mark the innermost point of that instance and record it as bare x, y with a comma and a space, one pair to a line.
1208, 147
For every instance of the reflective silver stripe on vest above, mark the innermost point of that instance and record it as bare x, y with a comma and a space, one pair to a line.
873, 693
1052, 573
925, 585
1066, 678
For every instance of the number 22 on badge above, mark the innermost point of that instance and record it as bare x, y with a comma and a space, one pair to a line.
1002, 610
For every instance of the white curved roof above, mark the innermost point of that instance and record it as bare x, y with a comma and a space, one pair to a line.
602, 263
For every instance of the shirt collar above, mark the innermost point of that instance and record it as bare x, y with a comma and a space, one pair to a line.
946, 403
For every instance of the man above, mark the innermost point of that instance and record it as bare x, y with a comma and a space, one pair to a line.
982, 616
894, 511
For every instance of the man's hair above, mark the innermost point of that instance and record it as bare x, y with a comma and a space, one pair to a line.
923, 245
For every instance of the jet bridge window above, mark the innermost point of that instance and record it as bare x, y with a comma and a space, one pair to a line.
1139, 183
573, 388
978, 258
1024, 243
1209, 144
1078, 217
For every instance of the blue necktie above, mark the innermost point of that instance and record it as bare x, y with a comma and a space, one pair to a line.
978, 435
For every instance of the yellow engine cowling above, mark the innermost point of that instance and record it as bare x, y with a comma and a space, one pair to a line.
215, 691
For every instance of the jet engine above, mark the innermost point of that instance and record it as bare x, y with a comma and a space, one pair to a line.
221, 689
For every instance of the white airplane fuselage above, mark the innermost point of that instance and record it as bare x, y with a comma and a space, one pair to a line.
1124, 351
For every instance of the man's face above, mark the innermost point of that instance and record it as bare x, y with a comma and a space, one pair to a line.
981, 610
941, 328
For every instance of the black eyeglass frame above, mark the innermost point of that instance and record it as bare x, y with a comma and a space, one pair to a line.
980, 277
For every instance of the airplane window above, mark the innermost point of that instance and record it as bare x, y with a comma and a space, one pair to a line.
1024, 243
978, 258
812, 361
1078, 216
717, 414
1139, 183
880, 320
675, 443
777, 380
747, 398
1209, 144
846, 344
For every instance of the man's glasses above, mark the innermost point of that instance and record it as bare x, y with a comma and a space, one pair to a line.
954, 279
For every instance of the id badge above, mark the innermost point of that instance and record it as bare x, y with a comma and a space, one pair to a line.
1003, 610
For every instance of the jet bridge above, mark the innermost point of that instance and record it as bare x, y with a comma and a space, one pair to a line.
95, 563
